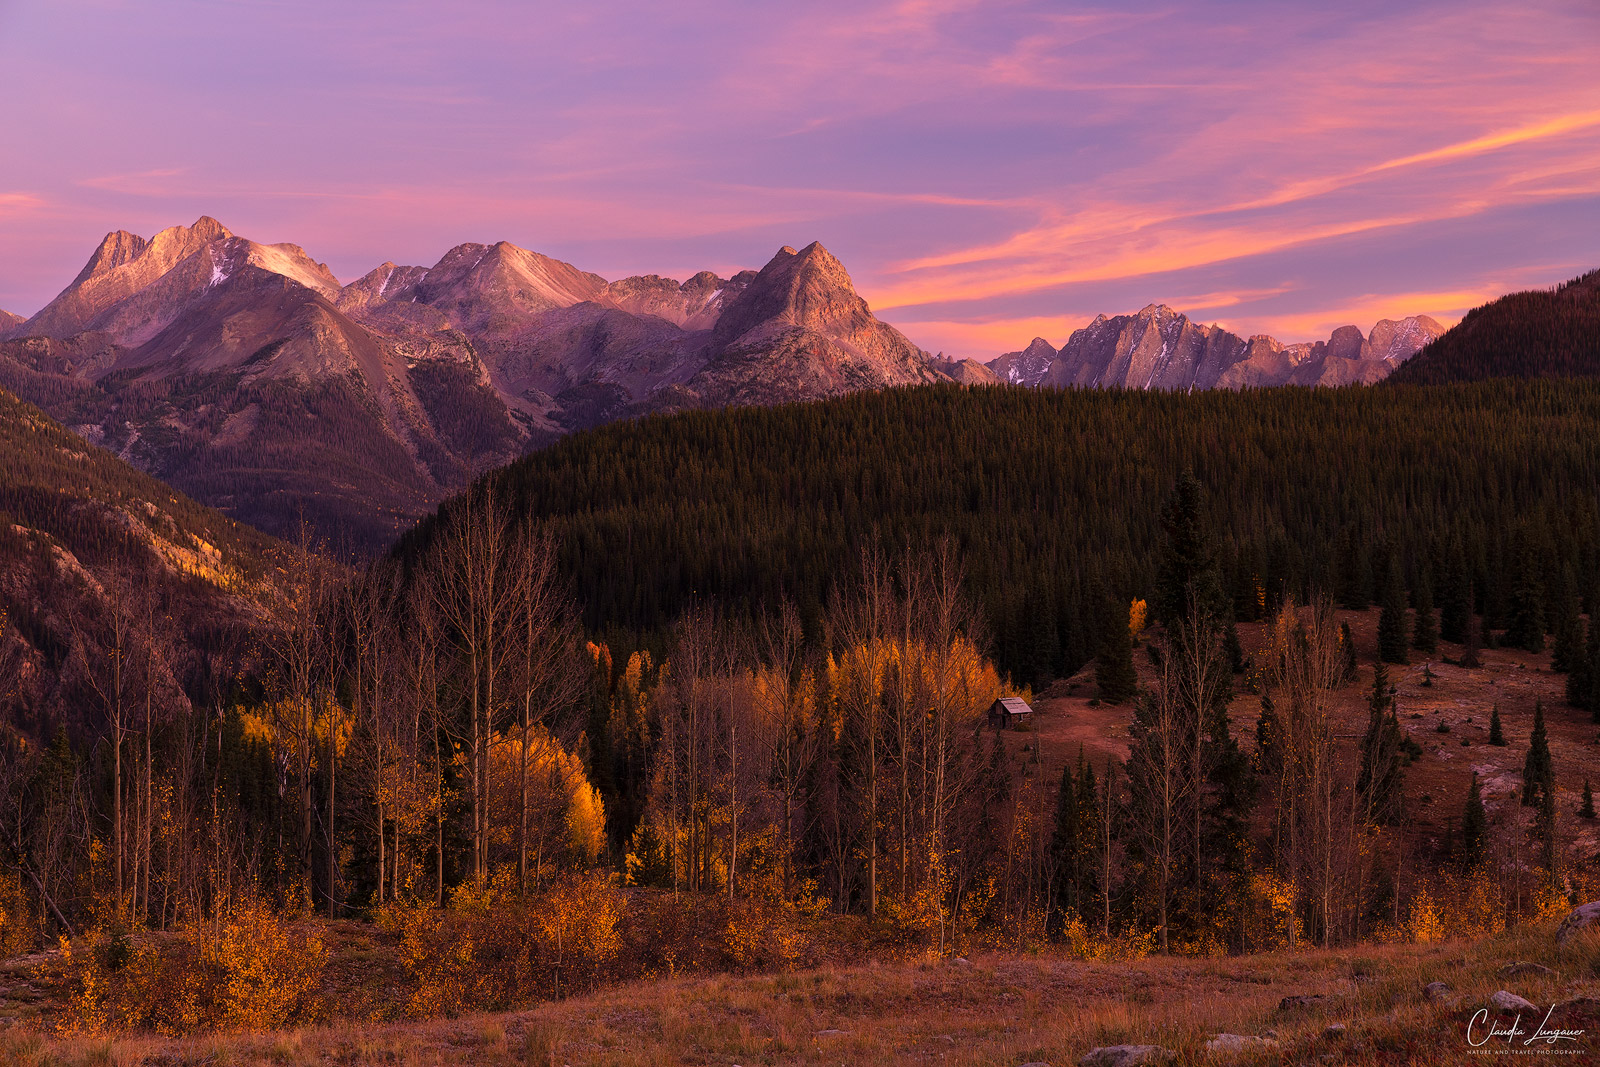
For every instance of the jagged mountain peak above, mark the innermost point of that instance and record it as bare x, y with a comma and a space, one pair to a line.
1027, 367
116, 248
1160, 347
495, 288
809, 289
124, 264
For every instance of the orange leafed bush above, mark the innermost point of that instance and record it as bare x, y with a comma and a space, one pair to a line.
496, 948
250, 970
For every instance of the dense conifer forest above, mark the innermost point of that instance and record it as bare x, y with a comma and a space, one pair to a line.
1549, 333
1485, 494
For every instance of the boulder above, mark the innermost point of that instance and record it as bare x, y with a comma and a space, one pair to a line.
1335, 1031
1579, 918
1299, 1001
1509, 1003
1125, 1056
1436, 991
1523, 970
1238, 1043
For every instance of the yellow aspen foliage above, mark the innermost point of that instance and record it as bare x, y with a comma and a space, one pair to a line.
1426, 924
1138, 614
567, 816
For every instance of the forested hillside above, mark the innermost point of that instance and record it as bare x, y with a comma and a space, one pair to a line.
1542, 333
1486, 493
86, 542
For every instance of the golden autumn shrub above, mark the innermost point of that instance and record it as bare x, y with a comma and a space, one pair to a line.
758, 935
247, 970
19, 917
495, 948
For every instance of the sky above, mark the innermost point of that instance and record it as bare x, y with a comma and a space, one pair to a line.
987, 171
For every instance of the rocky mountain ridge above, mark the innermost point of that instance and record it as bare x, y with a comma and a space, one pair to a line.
248, 376
1159, 348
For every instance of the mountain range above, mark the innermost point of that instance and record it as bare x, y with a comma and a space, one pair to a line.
250, 378
1158, 348
247, 376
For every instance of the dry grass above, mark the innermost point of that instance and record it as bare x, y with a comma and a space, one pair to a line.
997, 1009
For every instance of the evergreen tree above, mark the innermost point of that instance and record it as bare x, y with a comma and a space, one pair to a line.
1538, 777
1583, 683
1455, 594
1355, 572
1424, 627
1496, 736
1526, 601
1578, 675
1189, 575
1587, 809
1089, 830
1469, 650
1474, 827
1065, 844
1232, 648
1378, 781
1114, 675
1392, 622
1379, 696
1566, 652
1347, 650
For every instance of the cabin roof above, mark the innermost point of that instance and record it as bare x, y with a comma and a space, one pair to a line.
1015, 705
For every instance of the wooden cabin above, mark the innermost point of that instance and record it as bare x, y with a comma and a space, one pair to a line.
1010, 713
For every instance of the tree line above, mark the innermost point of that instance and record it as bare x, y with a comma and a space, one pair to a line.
1485, 494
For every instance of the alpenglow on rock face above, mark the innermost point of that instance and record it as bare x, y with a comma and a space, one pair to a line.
247, 376
1158, 348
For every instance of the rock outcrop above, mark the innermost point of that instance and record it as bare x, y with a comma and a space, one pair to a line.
1578, 919
1158, 348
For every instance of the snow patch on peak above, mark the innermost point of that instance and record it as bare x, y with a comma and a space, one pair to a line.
219, 273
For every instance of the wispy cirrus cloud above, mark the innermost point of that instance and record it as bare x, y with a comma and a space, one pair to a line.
981, 166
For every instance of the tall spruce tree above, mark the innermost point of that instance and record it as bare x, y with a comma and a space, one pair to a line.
1474, 828
1189, 576
1354, 572
1455, 594
1497, 735
1525, 629
1566, 627
1538, 776
1583, 684
1424, 627
1065, 846
1114, 675
1347, 651
1379, 780
1586, 810
1089, 845
1392, 621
